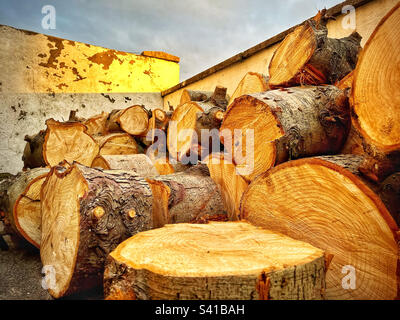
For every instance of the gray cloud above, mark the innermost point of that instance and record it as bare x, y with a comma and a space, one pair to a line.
201, 32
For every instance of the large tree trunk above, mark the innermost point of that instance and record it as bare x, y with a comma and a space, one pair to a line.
117, 144
308, 56
133, 120
219, 260
252, 82
375, 94
288, 124
230, 182
87, 212
326, 202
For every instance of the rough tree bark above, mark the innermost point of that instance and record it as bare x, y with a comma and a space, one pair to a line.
219, 260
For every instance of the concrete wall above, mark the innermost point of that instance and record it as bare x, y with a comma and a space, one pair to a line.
25, 113
368, 16
32, 62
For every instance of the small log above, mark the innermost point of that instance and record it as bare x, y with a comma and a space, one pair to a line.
308, 57
375, 98
218, 261
288, 124
193, 95
87, 212
97, 125
33, 152
137, 163
231, 183
184, 196
252, 82
117, 144
187, 121
326, 202
133, 120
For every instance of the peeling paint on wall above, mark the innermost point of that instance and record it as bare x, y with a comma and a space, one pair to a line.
43, 63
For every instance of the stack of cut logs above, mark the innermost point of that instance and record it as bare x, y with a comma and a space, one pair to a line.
312, 213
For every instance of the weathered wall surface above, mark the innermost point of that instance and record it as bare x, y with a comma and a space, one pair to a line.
25, 113
31, 62
368, 16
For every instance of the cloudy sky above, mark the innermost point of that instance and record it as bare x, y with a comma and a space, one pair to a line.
201, 32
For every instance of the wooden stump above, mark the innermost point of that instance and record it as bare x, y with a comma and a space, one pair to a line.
133, 120
68, 141
308, 56
137, 163
231, 183
325, 202
287, 124
375, 98
219, 260
117, 144
252, 82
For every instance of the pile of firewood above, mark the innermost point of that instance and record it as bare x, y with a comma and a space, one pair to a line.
314, 185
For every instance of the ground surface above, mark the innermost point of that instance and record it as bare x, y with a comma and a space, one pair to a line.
21, 277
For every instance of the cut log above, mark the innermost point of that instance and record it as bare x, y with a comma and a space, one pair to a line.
117, 144
231, 183
158, 121
97, 125
286, 124
252, 82
346, 82
133, 120
375, 97
184, 196
192, 95
87, 212
187, 121
219, 261
68, 141
24, 204
308, 56
137, 163
33, 152
325, 202
354, 143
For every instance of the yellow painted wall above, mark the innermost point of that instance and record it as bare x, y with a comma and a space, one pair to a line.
31, 62
367, 18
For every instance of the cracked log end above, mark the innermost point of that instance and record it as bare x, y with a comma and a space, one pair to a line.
117, 144
218, 260
322, 201
26, 210
68, 141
